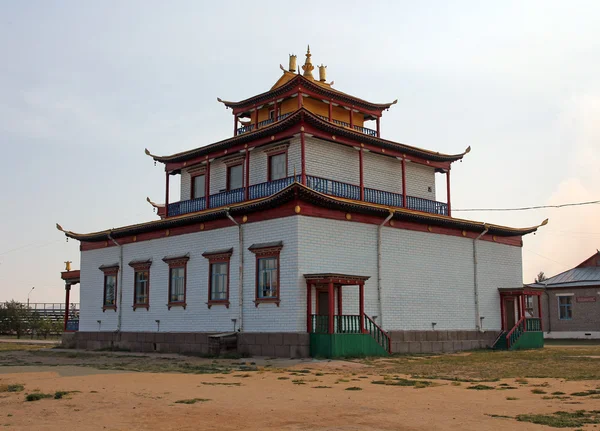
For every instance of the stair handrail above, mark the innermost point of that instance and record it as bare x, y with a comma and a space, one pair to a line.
388, 348
518, 325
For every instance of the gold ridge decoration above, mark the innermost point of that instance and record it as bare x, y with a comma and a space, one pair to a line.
308, 67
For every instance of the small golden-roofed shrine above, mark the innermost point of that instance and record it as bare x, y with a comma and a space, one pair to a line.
297, 89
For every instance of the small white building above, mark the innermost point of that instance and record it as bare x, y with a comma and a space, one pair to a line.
305, 233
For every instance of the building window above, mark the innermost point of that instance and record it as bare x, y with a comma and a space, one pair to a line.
218, 276
141, 283
177, 280
267, 272
529, 304
109, 297
565, 307
277, 166
235, 177
198, 186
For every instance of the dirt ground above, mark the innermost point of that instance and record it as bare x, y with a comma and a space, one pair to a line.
263, 394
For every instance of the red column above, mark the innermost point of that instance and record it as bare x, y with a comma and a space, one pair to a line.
351, 119
361, 305
331, 307
539, 301
299, 99
255, 118
67, 298
404, 182
339, 300
502, 311
308, 307
362, 180
235, 122
167, 195
330, 111
303, 158
207, 185
378, 132
247, 191
275, 111
448, 192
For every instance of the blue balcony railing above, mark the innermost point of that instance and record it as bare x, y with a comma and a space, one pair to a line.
321, 185
251, 127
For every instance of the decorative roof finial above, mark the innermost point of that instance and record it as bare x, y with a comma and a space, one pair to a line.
322, 73
68, 265
292, 67
308, 67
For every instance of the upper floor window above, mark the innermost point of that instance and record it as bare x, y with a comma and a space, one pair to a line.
235, 177
141, 283
267, 271
177, 280
109, 297
565, 307
198, 186
277, 166
218, 276
529, 303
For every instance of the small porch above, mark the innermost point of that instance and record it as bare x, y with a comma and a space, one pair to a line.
333, 333
71, 318
521, 317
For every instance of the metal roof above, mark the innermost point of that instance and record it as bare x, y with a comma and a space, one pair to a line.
587, 276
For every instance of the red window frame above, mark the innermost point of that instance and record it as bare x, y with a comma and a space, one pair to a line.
113, 271
229, 167
262, 253
141, 266
193, 185
177, 262
218, 257
270, 156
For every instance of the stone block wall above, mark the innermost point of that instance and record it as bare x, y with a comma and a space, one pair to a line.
440, 341
274, 344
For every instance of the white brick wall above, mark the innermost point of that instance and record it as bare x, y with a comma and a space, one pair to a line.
259, 161
418, 180
333, 161
186, 185
426, 277
218, 176
382, 172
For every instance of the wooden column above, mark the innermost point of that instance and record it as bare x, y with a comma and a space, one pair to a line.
361, 306
331, 308
207, 185
247, 191
539, 301
330, 111
167, 195
235, 122
339, 300
67, 299
299, 99
523, 308
351, 119
255, 118
361, 175
448, 192
303, 158
404, 182
275, 110
502, 311
308, 307
378, 132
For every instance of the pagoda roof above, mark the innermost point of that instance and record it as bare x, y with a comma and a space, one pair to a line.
304, 115
302, 193
325, 90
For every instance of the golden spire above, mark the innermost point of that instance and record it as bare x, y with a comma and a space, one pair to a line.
308, 67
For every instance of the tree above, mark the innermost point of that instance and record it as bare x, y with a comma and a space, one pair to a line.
541, 277
15, 317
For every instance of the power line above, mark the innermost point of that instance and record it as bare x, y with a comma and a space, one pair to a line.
547, 258
529, 208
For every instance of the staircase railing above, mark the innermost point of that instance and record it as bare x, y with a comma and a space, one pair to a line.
533, 324
514, 334
382, 338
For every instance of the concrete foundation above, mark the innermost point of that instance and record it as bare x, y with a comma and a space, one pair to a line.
440, 341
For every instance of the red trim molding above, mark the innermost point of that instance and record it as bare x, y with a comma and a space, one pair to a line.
110, 270
217, 257
264, 253
141, 266
177, 262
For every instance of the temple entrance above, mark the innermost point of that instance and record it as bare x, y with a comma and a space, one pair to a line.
322, 302
509, 306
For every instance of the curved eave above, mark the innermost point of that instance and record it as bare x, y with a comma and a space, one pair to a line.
307, 195
310, 118
311, 85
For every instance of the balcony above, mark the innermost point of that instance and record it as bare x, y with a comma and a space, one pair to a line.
321, 185
264, 123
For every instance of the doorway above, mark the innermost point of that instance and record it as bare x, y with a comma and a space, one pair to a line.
509, 312
323, 303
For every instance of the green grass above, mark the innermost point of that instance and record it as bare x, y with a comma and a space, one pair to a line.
12, 347
558, 393
586, 393
192, 401
321, 387
481, 387
221, 383
283, 378
511, 398
354, 388
563, 419
60, 394
38, 396
538, 391
397, 381
298, 382
12, 388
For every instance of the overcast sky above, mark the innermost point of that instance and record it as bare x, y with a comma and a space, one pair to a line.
86, 86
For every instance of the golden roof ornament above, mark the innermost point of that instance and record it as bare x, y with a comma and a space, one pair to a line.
308, 67
68, 265
322, 73
292, 66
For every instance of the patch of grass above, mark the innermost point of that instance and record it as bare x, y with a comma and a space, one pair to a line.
555, 397
354, 388
398, 381
481, 387
563, 419
542, 385
242, 375
192, 401
13, 347
321, 387
37, 396
303, 371
456, 383
586, 393
342, 381
319, 374
12, 388
498, 416
221, 383
511, 398
558, 393
298, 382
538, 391
60, 394
93, 392
505, 388
283, 378
522, 381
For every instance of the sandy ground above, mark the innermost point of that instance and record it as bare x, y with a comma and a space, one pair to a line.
117, 400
